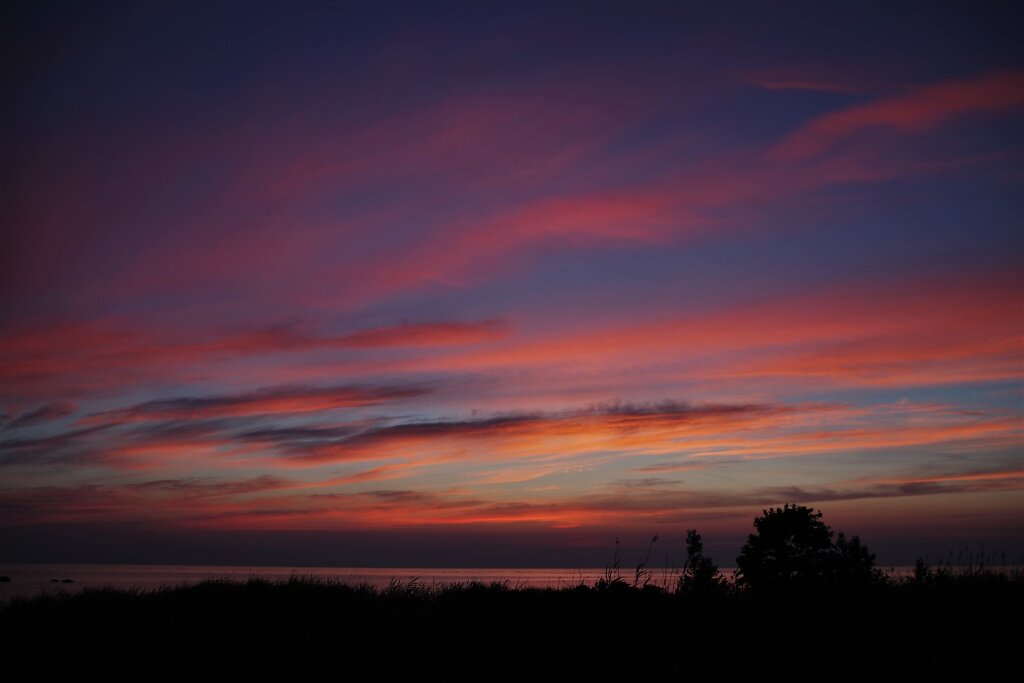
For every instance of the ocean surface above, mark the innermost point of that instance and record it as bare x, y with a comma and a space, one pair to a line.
27, 580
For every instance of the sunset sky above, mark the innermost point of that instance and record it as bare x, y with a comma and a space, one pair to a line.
495, 284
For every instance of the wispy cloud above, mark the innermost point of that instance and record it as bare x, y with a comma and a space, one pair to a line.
920, 109
807, 77
100, 355
46, 413
275, 400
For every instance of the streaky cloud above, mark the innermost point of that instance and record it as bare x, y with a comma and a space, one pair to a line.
46, 413
276, 400
920, 109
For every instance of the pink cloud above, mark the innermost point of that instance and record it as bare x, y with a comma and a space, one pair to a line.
921, 109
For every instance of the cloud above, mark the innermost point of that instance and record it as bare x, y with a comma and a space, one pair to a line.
277, 400
649, 503
560, 434
68, 356
91, 354
274, 502
929, 329
296, 337
920, 109
71, 447
991, 476
46, 413
423, 334
524, 446
690, 466
297, 435
967, 483
152, 434
807, 78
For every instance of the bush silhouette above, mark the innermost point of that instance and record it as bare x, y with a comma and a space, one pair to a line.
792, 547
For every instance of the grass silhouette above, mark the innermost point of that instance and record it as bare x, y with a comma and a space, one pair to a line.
915, 625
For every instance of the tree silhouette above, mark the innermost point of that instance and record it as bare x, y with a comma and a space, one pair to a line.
791, 546
854, 564
700, 575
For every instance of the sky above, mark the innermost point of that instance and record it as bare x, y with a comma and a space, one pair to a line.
496, 284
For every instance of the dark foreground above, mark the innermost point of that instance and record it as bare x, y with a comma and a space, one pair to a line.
969, 625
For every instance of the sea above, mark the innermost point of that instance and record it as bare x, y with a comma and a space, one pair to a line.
28, 580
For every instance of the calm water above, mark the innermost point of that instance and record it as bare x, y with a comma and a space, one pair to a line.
32, 579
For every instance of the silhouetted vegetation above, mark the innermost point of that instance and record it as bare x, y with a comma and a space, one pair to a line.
936, 621
792, 547
466, 631
700, 576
